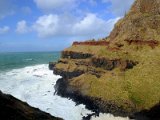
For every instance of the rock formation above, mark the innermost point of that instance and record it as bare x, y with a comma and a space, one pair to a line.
120, 73
14, 109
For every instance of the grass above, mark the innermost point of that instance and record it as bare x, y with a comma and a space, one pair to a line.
138, 87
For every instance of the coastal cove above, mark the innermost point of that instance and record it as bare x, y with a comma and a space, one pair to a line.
35, 83
109, 69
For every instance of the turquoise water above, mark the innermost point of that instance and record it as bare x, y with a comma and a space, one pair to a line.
10, 61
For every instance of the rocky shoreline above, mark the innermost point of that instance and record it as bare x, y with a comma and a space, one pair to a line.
99, 106
95, 104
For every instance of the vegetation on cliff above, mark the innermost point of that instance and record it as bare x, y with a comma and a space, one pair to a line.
126, 71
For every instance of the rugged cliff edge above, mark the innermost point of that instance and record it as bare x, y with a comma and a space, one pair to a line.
118, 74
14, 109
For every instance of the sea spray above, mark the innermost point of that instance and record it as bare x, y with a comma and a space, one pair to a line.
35, 85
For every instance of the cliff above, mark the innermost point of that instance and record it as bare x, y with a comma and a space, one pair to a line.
118, 74
14, 109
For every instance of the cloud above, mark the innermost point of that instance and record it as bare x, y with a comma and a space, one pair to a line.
119, 7
92, 25
4, 29
22, 27
56, 25
5, 8
47, 25
49, 5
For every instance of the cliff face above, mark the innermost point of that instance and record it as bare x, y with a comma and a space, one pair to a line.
118, 74
14, 109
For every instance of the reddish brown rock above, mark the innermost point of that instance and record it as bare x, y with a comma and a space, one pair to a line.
92, 43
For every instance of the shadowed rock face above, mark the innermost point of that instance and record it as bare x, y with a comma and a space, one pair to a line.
75, 55
14, 109
152, 114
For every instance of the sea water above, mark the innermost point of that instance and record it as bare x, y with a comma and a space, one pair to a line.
26, 76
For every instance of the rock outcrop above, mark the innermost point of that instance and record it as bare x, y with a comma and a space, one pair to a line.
120, 73
75, 55
14, 109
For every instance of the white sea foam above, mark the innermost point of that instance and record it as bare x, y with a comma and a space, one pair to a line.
35, 85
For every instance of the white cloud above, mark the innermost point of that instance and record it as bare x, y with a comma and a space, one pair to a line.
56, 25
91, 25
54, 4
119, 7
22, 27
4, 29
47, 25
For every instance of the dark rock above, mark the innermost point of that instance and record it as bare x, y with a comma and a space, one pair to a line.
92, 103
51, 65
67, 74
14, 109
113, 63
151, 114
97, 105
75, 55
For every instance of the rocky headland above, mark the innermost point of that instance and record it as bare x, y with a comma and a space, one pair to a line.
119, 74
14, 109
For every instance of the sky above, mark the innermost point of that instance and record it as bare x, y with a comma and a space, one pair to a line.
52, 25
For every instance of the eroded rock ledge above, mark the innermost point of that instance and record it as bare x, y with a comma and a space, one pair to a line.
108, 64
75, 55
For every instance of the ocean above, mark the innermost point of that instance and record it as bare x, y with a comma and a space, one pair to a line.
27, 77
